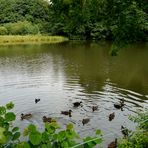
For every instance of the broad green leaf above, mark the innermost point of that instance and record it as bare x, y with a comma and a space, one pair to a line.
23, 145
35, 138
26, 145
44, 146
2, 136
10, 116
98, 132
69, 126
16, 136
25, 132
32, 128
2, 110
15, 129
64, 144
44, 137
10, 106
9, 135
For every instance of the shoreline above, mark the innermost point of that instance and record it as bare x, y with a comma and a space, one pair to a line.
31, 39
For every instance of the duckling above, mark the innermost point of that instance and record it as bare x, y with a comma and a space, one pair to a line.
124, 131
94, 108
37, 100
67, 112
111, 116
76, 104
85, 121
26, 116
47, 119
113, 144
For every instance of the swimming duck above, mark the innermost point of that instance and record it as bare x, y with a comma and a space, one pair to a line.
37, 100
85, 121
120, 104
26, 116
111, 116
76, 104
124, 131
113, 144
94, 108
47, 119
67, 112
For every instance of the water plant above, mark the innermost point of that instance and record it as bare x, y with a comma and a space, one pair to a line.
138, 138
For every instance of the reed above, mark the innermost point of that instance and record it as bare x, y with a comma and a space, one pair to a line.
31, 39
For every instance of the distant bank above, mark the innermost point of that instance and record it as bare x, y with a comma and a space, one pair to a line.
30, 39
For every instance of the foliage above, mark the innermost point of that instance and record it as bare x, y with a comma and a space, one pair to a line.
118, 20
3, 30
21, 28
50, 137
138, 139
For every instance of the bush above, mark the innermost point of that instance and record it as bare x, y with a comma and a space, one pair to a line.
139, 137
22, 28
3, 30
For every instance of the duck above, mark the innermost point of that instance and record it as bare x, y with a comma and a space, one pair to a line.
67, 112
76, 104
47, 119
113, 144
26, 116
94, 108
111, 116
37, 100
120, 104
85, 121
124, 131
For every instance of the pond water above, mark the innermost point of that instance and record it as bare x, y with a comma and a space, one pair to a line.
61, 74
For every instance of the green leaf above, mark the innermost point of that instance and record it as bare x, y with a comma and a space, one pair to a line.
15, 129
69, 126
23, 145
44, 146
10, 116
44, 137
16, 136
25, 132
35, 138
9, 135
2, 110
50, 129
64, 144
26, 145
98, 132
10, 106
2, 136
32, 128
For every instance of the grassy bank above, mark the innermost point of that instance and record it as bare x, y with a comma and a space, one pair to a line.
33, 39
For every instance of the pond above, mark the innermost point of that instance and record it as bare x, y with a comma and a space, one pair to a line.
60, 74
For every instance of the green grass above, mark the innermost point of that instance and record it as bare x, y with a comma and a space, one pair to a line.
30, 39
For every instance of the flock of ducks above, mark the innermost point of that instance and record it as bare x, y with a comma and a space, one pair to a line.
118, 105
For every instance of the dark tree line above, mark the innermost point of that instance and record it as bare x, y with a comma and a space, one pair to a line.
117, 20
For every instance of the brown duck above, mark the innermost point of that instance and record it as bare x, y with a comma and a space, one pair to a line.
26, 116
94, 108
85, 121
113, 144
124, 131
111, 116
67, 112
120, 104
77, 104
47, 119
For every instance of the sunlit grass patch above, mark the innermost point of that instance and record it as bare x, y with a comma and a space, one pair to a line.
18, 39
